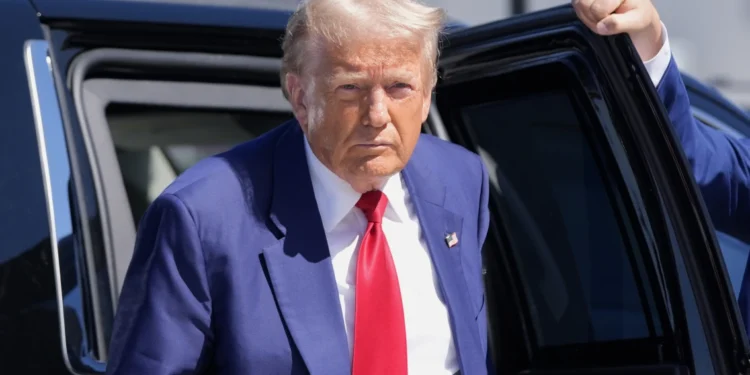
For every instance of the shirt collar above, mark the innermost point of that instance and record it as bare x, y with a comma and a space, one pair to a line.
336, 198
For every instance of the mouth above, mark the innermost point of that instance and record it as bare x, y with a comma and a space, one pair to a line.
375, 145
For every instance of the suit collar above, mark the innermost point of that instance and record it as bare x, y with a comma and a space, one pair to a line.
420, 179
437, 222
299, 264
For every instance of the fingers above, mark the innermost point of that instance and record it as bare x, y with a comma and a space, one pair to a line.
585, 19
582, 9
592, 12
582, 4
621, 23
600, 9
637, 18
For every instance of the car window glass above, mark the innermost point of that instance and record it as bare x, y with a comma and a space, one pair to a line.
563, 205
155, 144
573, 254
697, 334
735, 253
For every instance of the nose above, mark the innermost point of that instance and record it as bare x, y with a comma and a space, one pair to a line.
377, 114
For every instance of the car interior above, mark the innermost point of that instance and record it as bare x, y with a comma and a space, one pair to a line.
155, 144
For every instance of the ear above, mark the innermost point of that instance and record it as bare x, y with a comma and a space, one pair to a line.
296, 91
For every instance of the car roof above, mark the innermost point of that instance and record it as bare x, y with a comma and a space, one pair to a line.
713, 94
258, 14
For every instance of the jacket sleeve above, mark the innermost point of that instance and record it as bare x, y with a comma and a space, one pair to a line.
162, 325
720, 163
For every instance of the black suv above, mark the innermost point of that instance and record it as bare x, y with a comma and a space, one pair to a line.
601, 261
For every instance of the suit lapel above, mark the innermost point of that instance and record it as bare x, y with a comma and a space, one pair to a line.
299, 263
428, 194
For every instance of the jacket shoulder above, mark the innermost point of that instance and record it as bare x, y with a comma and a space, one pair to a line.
235, 182
461, 171
441, 152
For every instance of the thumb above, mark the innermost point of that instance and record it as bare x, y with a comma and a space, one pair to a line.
618, 23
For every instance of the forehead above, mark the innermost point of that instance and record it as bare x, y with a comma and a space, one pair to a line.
363, 54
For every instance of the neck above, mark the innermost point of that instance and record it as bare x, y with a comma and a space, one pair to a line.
364, 185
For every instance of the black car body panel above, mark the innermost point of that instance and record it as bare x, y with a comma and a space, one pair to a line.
29, 321
256, 14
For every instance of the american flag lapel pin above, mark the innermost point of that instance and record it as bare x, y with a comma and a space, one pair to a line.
451, 239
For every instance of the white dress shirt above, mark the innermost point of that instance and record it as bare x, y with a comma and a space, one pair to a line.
657, 66
428, 331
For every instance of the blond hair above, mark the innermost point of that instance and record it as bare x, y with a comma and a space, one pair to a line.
336, 21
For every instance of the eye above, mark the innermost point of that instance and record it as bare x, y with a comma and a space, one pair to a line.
400, 90
348, 87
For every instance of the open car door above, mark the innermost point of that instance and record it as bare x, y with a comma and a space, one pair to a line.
601, 257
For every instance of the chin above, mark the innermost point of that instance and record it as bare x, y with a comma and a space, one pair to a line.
381, 167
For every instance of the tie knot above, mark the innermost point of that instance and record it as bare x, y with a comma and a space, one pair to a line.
373, 205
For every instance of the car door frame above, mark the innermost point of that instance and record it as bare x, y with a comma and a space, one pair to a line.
500, 47
155, 34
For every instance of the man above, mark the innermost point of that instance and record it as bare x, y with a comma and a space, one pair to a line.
249, 263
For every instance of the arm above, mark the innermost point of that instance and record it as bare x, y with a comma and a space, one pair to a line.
720, 163
163, 320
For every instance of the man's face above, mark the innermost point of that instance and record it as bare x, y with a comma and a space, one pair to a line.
365, 107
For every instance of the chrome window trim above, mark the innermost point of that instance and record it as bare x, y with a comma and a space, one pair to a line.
49, 126
437, 123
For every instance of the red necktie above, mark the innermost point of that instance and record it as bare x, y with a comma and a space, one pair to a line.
379, 328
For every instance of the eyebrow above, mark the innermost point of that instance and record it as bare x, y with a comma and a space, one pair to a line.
343, 75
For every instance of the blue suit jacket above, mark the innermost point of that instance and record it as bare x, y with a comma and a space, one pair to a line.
721, 166
231, 272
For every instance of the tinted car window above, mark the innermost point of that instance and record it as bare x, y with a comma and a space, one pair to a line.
735, 252
567, 251
574, 256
